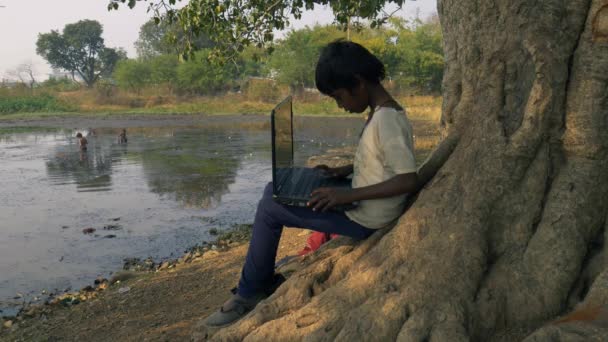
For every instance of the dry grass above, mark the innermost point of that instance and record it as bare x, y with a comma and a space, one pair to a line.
116, 101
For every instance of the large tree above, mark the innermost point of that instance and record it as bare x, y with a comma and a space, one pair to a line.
163, 38
509, 232
80, 49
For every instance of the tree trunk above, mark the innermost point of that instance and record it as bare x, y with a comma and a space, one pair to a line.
509, 234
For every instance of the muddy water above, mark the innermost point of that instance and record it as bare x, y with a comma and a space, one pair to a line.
155, 196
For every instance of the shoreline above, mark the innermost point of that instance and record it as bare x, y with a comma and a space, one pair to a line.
129, 119
132, 268
164, 304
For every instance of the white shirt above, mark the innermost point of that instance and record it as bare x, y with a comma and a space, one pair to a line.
386, 149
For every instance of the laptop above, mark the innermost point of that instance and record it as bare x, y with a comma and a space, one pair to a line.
293, 185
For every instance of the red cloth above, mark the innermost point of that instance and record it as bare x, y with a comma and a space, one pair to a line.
315, 240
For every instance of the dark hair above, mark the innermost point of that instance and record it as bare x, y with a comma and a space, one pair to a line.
339, 64
79, 135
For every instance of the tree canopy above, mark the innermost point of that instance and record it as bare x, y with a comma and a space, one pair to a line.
165, 38
80, 49
233, 25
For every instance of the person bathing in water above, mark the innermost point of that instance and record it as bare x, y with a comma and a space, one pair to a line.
82, 142
384, 171
122, 137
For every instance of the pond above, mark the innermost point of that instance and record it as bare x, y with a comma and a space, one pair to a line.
155, 196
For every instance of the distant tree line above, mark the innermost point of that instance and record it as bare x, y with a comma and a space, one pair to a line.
412, 52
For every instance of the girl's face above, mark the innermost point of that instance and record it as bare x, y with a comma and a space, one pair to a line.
355, 100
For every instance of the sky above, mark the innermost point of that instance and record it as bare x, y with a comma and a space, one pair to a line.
22, 20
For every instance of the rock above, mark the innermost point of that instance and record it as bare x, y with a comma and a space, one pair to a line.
187, 257
110, 236
8, 324
135, 264
165, 265
124, 289
100, 280
30, 313
89, 230
213, 247
112, 227
87, 288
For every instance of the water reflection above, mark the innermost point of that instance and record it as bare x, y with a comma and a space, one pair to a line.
194, 167
90, 170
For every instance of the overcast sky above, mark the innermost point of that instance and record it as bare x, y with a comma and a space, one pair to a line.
22, 20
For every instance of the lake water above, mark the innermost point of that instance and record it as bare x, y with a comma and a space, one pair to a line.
159, 194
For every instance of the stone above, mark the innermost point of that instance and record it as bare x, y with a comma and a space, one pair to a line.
165, 265
8, 324
100, 280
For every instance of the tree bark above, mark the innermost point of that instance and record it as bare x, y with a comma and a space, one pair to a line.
509, 233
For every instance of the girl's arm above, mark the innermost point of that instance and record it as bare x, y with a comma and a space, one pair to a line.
325, 198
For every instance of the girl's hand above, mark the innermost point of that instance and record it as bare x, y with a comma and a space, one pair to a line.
329, 171
327, 198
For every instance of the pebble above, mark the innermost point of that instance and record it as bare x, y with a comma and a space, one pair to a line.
164, 265
124, 289
100, 280
88, 230
8, 324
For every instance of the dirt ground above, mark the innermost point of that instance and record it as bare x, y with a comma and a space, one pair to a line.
160, 306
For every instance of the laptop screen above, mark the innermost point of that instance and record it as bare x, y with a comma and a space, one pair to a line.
283, 131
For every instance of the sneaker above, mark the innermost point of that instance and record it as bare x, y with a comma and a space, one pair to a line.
233, 309
237, 306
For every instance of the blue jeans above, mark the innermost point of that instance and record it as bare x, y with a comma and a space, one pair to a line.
258, 272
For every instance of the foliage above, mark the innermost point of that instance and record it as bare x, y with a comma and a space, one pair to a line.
59, 84
201, 76
412, 54
294, 59
132, 75
80, 49
31, 104
165, 38
235, 24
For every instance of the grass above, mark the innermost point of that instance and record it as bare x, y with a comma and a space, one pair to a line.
93, 103
33, 103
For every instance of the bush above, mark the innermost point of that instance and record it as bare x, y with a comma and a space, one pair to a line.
261, 89
59, 85
32, 104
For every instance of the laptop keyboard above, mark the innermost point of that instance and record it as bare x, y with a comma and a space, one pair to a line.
302, 181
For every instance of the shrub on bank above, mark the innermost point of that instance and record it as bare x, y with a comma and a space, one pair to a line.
33, 104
